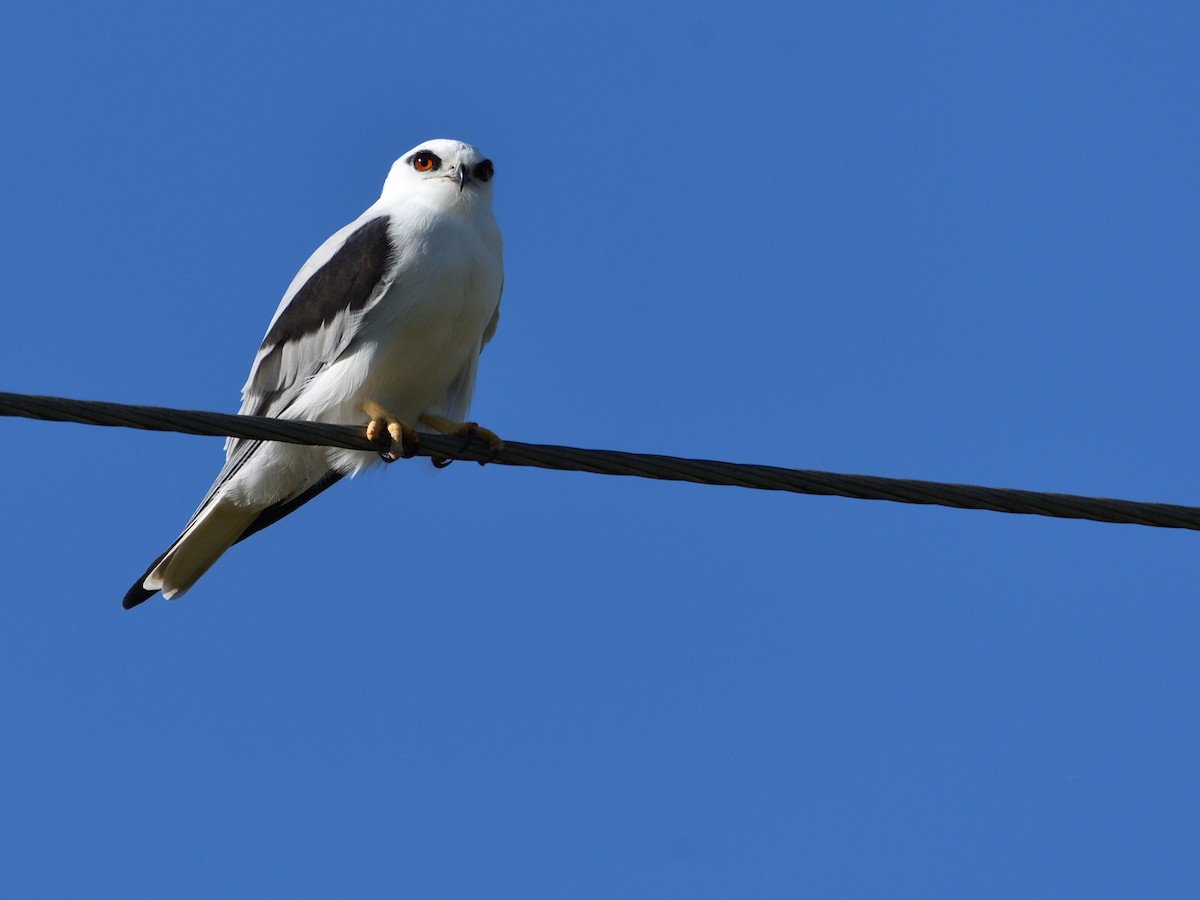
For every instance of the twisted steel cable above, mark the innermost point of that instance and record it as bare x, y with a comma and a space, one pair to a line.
613, 462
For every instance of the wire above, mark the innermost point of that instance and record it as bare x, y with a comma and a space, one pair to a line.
613, 462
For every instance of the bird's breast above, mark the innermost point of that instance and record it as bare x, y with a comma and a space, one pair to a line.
429, 325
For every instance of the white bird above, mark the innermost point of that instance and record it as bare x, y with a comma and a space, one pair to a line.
382, 326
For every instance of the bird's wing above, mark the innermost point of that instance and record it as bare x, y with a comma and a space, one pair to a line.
316, 321
320, 313
490, 331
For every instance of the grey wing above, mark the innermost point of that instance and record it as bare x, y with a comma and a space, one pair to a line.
320, 314
315, 323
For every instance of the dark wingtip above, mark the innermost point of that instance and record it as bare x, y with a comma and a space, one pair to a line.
135, 595
138, 594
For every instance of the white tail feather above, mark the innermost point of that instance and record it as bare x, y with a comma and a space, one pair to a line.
201, 545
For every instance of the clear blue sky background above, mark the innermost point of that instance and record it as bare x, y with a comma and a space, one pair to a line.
953, 241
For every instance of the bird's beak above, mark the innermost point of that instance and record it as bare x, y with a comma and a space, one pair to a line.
460, 176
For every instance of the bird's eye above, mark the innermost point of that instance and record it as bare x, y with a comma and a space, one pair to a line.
484, 171
426, 162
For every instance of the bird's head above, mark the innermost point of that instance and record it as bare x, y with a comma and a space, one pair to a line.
449, 172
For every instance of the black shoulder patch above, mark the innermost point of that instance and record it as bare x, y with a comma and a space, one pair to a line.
346, 281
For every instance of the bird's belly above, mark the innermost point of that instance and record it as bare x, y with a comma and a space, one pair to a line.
409, 372
418, 345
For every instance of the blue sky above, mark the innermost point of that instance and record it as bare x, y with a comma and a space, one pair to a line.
945, 241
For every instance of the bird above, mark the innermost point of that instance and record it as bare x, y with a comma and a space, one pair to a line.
382, 326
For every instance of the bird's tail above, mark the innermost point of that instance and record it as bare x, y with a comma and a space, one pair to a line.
215, 529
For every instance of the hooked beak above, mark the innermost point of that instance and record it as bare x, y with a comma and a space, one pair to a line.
460, 176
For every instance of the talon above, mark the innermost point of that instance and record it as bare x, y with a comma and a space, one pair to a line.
469, 431
405, 437
466, 431
472, 430
398, 438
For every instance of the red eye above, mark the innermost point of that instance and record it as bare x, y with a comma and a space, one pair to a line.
425, 162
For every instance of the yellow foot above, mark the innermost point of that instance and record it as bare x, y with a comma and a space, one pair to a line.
398, 438
466, 430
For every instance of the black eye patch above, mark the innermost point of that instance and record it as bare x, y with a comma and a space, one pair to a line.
484, 170
424, 161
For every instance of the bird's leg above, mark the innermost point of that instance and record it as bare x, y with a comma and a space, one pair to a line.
466, 430
383, 428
